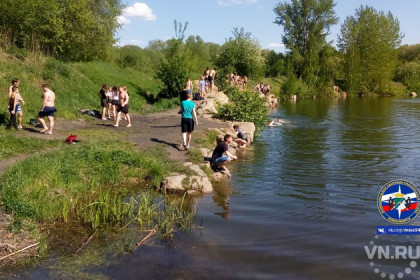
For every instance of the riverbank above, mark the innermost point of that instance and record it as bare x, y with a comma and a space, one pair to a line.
154, 137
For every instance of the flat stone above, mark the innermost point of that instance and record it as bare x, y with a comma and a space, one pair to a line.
221, 176
201, 184
198, 170
172, 184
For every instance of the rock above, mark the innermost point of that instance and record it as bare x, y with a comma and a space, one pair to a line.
172, 184
200, 112
205, 152
232, 150
186, 164
221, 176
413, 94
206, 107
221, 98
201, 184
198, 170
247, 127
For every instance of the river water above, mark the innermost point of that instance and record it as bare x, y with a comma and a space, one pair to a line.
302, 201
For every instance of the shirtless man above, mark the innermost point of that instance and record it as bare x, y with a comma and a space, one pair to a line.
15, 83
212, 75
48, 109
189, 85
123, 107
206, 77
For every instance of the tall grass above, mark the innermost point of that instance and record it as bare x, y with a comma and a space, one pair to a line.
48, 187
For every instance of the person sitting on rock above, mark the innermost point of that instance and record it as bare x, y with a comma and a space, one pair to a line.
221, 154
242, 140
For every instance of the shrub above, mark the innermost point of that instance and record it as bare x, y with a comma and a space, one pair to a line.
245, 106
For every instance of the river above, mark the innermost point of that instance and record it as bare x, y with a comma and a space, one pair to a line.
301, 203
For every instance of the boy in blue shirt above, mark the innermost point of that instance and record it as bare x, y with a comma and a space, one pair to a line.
189, 118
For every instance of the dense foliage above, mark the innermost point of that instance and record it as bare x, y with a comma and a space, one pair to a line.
173, 70
71, 29
369, 42
245, 106
408, 70
306, 24
241, 55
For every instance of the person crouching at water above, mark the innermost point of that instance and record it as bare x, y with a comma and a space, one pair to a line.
123, 107
221, 154
47, 110
187, 121
242, 140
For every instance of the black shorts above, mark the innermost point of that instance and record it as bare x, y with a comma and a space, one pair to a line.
187, 125
47, 112
115, 102
108, 100
210, 78
123, 109
103, 102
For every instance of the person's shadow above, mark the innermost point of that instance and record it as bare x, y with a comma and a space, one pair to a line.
173, 145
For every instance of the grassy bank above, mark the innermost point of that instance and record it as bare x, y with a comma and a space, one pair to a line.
99, 185
75, 84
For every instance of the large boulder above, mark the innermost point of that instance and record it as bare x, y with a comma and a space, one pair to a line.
172, 184
247, 127
221, 97
198, 170
200, 184
206, 107
221, 175
206, 152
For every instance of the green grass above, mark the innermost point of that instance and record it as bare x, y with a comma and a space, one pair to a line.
50, 186
11, 146
209, 139
76, 85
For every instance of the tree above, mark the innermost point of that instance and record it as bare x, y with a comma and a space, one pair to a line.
369, 41
274, 63
175, 67
180, 30
241, 54
306, 24
70, 30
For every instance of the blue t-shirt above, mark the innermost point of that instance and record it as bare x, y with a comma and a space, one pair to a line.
187, 107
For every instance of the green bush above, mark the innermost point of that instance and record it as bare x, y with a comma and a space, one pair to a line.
245, 106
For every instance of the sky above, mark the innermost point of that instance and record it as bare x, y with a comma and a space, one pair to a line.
214, 20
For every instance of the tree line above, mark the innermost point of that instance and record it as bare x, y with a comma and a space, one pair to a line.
367, 59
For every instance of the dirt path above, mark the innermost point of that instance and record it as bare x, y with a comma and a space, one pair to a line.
146, 131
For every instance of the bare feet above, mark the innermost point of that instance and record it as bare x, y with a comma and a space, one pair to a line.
44, 130
129, 125
115, 125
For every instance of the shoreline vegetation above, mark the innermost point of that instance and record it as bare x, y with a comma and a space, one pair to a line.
103, 183
111, 185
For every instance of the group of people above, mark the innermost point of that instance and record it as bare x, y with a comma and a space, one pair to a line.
115, 100
262, 88
221, 154
238, 81
47, 109
205, 84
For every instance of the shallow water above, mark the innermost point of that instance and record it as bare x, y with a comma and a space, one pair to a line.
301, 203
